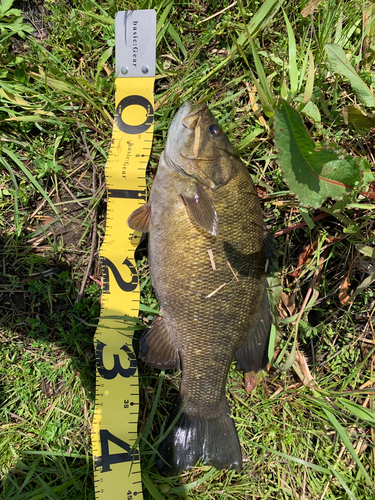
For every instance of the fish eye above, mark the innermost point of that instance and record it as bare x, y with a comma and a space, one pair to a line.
214, 129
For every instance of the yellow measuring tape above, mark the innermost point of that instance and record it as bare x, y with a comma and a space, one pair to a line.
117, 472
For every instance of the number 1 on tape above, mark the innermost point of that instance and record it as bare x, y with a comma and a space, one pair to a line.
117, 472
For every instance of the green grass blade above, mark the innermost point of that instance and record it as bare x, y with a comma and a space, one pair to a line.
153, 410
193, 484
177, 39
341, 432
310, 79
342, 482
102, 60
318, 468
293, 70
14, 180
359, 411
34, 119
261, 18
365, 284
261, 74
31, 178
106, 20
162, 23
154, 492
249, 138
144, 308
366, 250
290, 360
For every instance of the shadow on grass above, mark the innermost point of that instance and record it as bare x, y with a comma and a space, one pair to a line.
47, 374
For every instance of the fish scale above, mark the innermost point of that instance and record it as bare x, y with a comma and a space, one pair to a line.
203, 201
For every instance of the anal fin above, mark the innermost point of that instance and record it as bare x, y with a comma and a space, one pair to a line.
252, 356
157, 348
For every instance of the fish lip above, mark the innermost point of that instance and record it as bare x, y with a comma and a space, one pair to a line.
194, 110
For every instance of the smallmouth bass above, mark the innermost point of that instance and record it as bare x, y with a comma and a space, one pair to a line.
206, 256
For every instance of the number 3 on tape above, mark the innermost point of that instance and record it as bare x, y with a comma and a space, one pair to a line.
117, 472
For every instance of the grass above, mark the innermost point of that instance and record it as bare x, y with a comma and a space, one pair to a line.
306, 432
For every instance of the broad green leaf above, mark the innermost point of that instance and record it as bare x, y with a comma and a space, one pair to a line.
307, 218
368, 251
311, 174
311, 111
358, 118
362, 287
5, 5
339, 64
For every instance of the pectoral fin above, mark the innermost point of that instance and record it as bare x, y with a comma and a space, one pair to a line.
202, 210
253, 354
157, 348
139, 220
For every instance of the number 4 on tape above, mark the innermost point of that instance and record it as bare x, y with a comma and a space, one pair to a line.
117, 472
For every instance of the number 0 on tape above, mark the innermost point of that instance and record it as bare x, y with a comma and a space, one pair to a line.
117, 472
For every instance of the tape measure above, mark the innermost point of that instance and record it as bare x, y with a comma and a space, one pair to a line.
117, 472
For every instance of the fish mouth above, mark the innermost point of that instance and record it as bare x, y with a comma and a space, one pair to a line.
191, 121
193, 117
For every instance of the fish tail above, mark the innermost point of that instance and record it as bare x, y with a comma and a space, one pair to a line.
213, 439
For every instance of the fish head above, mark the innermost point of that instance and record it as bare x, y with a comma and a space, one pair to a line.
197, 147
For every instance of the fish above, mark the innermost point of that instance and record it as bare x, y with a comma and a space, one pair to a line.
207, 261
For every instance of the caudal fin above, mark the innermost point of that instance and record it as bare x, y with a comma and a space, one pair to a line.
214, 440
